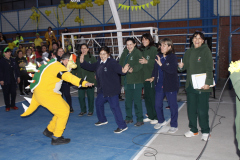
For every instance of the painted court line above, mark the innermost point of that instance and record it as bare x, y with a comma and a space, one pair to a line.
154, 137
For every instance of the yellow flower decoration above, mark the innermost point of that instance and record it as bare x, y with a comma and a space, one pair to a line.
234, 66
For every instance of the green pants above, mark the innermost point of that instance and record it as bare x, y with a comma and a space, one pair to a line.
197, 107
90, 97
134, 95
149, 96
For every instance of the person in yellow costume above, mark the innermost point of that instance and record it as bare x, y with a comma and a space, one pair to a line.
45, 86
50, 37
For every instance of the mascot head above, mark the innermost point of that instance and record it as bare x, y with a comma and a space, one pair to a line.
69, 60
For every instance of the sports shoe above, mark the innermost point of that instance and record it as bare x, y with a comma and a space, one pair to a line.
128, 121
22, 94
90, 114
190, 134
47, 133
118, 130
154, 121
147, 120
159, 125
81, 114
101, 123
14, 108
138, 124
60, 140
7, 109
172, 130
205, 136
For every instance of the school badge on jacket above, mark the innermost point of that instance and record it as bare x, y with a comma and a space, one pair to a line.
199, 59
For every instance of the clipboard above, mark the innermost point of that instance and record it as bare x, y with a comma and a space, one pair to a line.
198, 80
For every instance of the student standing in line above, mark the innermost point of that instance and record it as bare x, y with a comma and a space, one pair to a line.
109, 87
9, 77
90, 76
198, 59
22, 63
133, 81
166, 84
149, 53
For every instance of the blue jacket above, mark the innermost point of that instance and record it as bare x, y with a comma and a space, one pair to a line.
108, 80
170, 74
9, 71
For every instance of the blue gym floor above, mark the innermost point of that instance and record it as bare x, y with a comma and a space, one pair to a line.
22, 138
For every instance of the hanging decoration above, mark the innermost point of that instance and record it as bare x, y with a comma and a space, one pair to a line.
35, 17
79, 20
75, 5
99, 2
47, 12
134, 2
140, 7
61, 4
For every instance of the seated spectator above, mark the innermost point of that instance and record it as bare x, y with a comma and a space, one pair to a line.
54, 49
23, 49
3, 40
22, 62
50, 37
19, 38
37, 40
16, 42
44, 52
30, 57
38, 54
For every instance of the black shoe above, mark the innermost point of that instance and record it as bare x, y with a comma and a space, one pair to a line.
47, 133
101, 123
60, 140
81, 114
168, 107
118, 130
138, 124
90, 114
71, 110
22, 94
128, 121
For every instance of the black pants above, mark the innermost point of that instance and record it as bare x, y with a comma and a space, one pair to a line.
9, 89
23, 81
65, 89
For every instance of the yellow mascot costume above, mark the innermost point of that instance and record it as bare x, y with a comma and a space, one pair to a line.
45, 86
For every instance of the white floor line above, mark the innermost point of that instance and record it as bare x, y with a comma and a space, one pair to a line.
154, 137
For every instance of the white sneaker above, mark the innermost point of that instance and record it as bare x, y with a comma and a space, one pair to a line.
205, 137
190, 134
159, 125
146, 120
172, 130
154, 121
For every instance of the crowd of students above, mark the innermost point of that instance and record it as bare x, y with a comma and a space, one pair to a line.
146, 67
